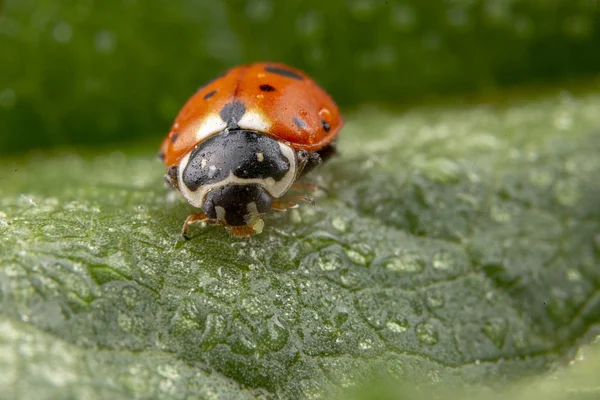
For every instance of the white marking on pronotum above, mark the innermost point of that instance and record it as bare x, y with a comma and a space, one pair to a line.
260, 157
254, 121
273, 187
211, 125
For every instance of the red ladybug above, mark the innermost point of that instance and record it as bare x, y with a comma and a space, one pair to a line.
243, 139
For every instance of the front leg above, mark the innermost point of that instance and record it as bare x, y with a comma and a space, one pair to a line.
190, 220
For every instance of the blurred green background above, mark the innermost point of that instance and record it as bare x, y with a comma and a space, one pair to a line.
89, 72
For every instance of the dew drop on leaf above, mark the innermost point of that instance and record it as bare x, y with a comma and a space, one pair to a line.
339, 224
496, 329
329, 261
397, 325
435, 301
427, 333
349, 278
442, 260
361, 254
365, 344
407, 262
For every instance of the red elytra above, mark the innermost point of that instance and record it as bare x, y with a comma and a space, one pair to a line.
289, 105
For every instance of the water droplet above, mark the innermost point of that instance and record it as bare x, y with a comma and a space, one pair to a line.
376, 317
273, 337
365, 344
397, 325
435, 301
247, 342
427, 333
574, 275
252, 306
349, 278
394, 368
105, 41
214, 327
341, 315
339, 224
567, 192
406, 261
361, 254
62, 32
330, 261
125, 322
496, 329
442, 260
7, 98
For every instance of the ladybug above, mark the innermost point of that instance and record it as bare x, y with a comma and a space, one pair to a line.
242, 140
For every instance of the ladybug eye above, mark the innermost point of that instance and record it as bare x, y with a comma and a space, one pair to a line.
267, 88
302, 155
172, 172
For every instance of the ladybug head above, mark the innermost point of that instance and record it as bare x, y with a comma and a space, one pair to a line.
234, 175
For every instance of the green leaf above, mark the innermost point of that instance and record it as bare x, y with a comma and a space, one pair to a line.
454, 245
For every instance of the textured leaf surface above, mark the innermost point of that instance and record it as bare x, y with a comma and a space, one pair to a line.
454, 245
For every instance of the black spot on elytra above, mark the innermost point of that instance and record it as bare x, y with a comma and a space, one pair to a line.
326, 126
174, 137
267, 88
209, 95
299, 123
283, 72
232, 113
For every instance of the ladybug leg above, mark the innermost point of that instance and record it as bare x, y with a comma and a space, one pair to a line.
291, 203
171, 178
308, 187
190, 220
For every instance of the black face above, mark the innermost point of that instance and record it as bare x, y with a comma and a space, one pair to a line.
235, 204
245, 154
